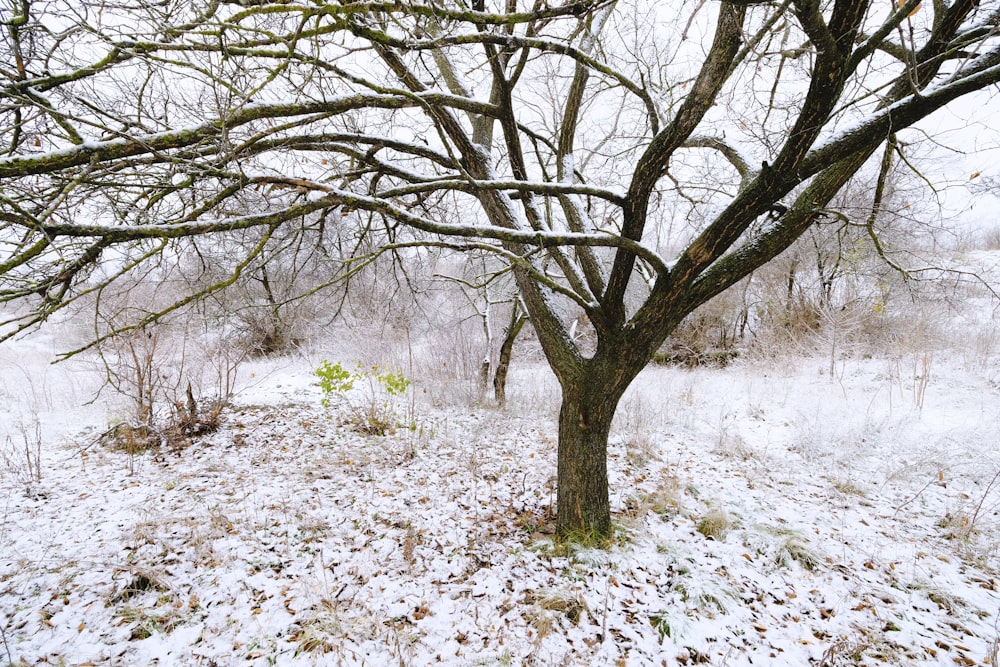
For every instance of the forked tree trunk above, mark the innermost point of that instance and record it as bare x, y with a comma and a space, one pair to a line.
583, 508
517, 320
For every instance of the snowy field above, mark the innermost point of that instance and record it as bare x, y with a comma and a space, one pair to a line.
824, 510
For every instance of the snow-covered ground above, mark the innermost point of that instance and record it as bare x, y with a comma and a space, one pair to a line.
826, 511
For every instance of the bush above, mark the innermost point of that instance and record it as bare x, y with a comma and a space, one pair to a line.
376, 410
174, 390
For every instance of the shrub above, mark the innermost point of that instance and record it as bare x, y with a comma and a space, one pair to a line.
175, 391
376, 410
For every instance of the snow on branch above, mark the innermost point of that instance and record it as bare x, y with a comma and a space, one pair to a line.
470, 185
437, 11
335, 197
89, 152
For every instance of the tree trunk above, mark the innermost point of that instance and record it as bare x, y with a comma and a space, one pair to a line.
517, 321
273, 337
584, 510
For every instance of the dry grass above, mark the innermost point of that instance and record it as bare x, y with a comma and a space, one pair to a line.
636, 423
715, 524
666, 499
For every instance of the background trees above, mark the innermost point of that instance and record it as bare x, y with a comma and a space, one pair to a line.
625, 161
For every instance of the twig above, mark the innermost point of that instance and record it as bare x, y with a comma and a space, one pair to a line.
100, 438
6, 646
604, 620
982, 499
914, 497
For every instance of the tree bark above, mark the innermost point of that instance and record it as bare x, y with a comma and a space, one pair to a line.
517, 321
583, 508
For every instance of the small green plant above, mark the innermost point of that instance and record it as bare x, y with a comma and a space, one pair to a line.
375, 411
664, 623
334, 379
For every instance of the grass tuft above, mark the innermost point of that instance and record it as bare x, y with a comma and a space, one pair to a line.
714, 525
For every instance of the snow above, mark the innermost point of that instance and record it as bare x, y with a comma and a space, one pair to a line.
855, 501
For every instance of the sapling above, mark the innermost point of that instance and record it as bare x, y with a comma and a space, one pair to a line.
375, 411
334, 380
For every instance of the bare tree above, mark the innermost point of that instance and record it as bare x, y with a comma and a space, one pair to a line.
629, 160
